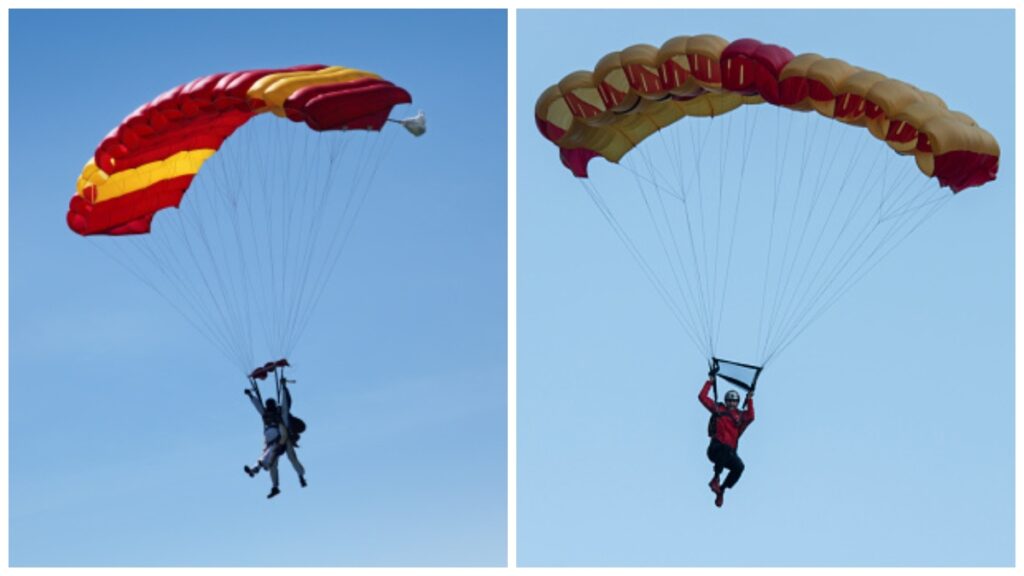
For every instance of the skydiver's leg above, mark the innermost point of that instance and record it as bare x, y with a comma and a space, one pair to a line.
274, 490
715, 455
294, 459
263, 463
267, 457
735, 466
254, 470
273, 472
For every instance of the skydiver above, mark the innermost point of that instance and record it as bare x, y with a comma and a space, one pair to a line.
276, 438
730, 423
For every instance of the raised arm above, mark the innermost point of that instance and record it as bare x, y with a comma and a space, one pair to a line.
255, 401
705, 399
747, 416
286, 402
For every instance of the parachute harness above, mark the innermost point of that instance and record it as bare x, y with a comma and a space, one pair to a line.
277, 369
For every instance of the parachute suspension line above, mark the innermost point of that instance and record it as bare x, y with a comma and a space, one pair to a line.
702, 311
164, 251
866, 266
322, 211
762, 336
220, 182
252, 177
834, 211
286, 219
775, 335
135, 268
838, 265
638, 257
748, 130
285, 216
910, 201
698, 295
824, 169
684, 286
361, 186
237, 193
723, 144
302, 217
795, 257
167, 248
781, 282
703, 272
698, 282
318, 211
335, 147
227, 269
277, 217
860, 257
803, 299
858, 239
254, 173
195, 236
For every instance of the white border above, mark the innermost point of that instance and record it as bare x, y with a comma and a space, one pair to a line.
511, 6
512, 467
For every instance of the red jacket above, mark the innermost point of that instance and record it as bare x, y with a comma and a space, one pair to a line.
731, 423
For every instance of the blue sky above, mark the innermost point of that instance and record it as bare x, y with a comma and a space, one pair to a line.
128, 432
884, 434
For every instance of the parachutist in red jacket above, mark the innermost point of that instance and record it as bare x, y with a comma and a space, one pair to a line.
730, 422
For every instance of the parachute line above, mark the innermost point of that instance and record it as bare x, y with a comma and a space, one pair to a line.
831, 212
251, 250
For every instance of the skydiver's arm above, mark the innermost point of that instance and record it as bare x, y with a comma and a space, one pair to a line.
286, 403
705, 399
286, 397
255, 402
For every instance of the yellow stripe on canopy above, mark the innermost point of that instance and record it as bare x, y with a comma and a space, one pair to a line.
107, 187
274, 89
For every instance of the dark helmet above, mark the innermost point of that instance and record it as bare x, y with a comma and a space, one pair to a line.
271, 404
732, 395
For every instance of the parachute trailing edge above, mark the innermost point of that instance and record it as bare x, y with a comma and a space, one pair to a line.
148, 161
633, 93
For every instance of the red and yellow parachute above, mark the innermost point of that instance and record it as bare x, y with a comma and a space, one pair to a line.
148, 161
635, 92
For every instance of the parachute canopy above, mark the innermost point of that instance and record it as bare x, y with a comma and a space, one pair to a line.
248, 255
635, 92
147, 162
826, 202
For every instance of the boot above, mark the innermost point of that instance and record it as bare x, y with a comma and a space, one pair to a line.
273, 492
716, 487
719, 497
251, 471
302, 481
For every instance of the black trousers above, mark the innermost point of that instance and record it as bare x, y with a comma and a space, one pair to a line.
725, 457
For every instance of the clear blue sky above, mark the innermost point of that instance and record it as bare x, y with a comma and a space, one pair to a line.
128, 433
884, 435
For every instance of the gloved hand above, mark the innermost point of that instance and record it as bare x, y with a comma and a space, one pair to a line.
248, 392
